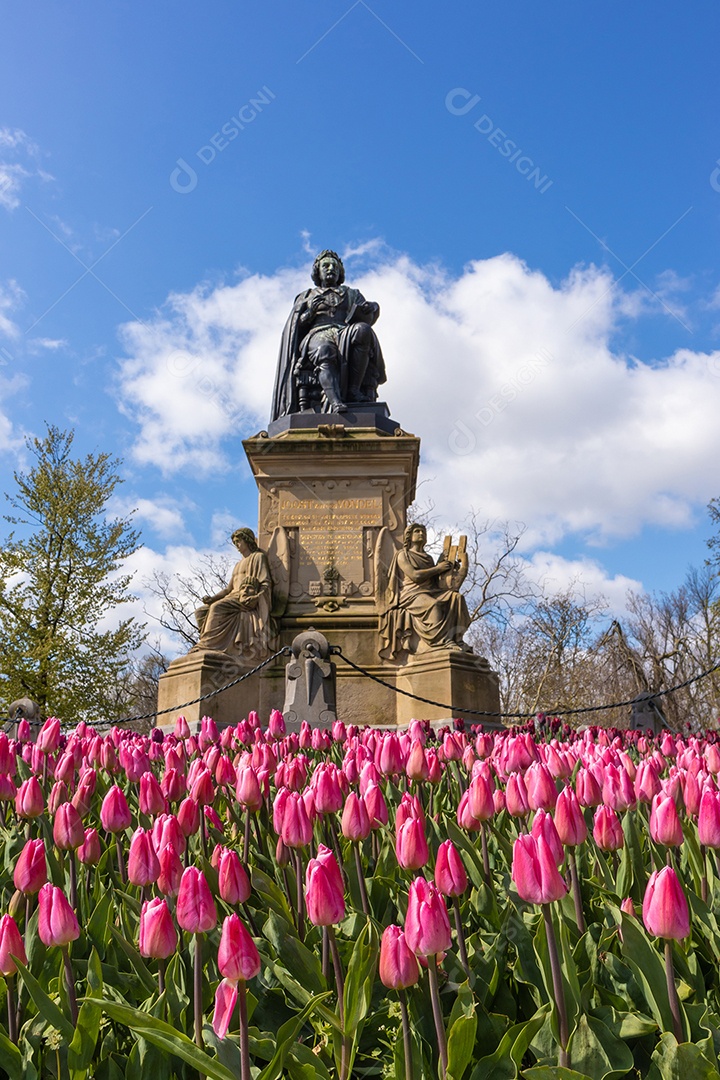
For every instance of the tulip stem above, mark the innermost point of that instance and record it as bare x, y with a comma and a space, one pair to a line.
557, 985
120, 859
704, 880
361, 880
246, 839
197, 984
300, 895
70, 983
407, 1045
161, 977
672, 993
485, 856
437, 1014
73, 882
460, 936
12, 1015
244, 1048
340, 990
579, 916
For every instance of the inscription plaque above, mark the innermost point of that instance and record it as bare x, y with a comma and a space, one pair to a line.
330, 531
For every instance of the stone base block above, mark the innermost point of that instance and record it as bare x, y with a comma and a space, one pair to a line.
458, 679
195, 675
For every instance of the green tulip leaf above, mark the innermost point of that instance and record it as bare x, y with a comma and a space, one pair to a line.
360, 978
680, 1061
45, 1005
286, 1036
164, 1037
12, 1060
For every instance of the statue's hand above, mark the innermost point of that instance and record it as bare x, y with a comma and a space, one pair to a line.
443, 566
207, 599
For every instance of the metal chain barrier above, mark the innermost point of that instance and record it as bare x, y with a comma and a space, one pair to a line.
525, 715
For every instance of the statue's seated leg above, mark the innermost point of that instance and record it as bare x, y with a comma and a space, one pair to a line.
325, 358
201, 615
360, 342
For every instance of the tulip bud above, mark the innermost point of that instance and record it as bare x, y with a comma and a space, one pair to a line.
11, 945
607, 830
89, 851
152, 800
143, 864
427, 926
30, 872
188, 816
196, 911
398, 964
158, 936
115, 814
233, 883
238, 958
171, 871
324, 890
296, 831
57, 924
247, 791
569, 821
411, 847
68, 831
450, 876
665, 827
29, 801
355, 823
665, 909
709, 819
48, 738
535, 871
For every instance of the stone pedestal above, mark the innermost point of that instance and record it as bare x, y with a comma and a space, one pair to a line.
459, 679
196, 674
328, 484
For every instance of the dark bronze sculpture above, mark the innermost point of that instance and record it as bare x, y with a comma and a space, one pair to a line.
329, 355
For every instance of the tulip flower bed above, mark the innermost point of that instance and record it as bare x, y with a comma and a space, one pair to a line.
358, 903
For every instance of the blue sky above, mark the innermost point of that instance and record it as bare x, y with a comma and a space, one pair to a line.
550, 305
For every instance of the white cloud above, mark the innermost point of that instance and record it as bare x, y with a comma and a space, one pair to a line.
524, 409
14, 144
582, 576
36, 345
11, 296
164, 515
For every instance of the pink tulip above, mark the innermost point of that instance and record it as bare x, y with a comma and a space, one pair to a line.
450, 876
355, 823
89, 852
541, 790
115, 812
296, 831
398, 964
516, 797
29, 801
480, 798
158, 936
143, 864
152, 800
247, 790
376, 806
607, 829
569, 821
233, 883
543, 825
324, 890
30, 872
589, 792
188, 816
171, 871
535, 871
417, 766
11, 945
427, 926
196, 910
48, 738
411, 848
709, 819
238, 957
665, 827
57, 924
68, 831
665, 909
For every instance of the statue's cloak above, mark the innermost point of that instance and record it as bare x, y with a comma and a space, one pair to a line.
294, 346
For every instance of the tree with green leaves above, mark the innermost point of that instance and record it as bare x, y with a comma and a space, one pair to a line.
61, 579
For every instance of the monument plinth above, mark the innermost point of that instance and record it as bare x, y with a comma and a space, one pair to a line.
335, 476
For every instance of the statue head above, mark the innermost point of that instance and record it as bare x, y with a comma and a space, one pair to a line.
408, 534
327, 254
247, 536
